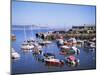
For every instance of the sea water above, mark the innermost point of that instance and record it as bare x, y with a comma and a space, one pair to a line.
28, 63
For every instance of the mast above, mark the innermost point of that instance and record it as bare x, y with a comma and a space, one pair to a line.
31, 31
24, 34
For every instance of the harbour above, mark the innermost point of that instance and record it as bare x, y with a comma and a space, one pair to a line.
31, 63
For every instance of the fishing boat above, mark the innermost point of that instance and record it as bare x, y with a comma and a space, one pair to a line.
14, 54
72, 60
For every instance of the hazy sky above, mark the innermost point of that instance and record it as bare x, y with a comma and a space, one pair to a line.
52, 15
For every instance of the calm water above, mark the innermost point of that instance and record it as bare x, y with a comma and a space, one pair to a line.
29, 63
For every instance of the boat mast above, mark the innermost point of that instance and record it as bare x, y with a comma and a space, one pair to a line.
31, 31
24, 33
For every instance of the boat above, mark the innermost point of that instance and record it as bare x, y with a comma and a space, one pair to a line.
27, 46
65, 47
89, 44
14, 54
72, 42
65, 50
54, 62
77, 51
60, 42
50, 59
31, 41
80, 43
92, 45
37, 50
49, 55
72, 60
13, 37
45, 42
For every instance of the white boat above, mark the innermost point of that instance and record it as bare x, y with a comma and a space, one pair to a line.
92, 45
73, 40
60, 41
77, 51
27, 44
80, 43
46, 42
14, 54
54, 62
64, 47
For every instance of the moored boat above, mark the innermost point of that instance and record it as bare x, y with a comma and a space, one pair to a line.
14, 54
65, 47
54, 62
50, 59
27, 46
69, 50
60, 42
77, 51
72, 60
13, 37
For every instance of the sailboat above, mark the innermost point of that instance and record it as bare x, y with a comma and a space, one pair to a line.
31, 39
26, 44
37, 48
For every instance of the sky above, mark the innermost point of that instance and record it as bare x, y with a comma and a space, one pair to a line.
52, 15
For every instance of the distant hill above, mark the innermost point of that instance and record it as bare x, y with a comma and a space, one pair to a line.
21, 27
